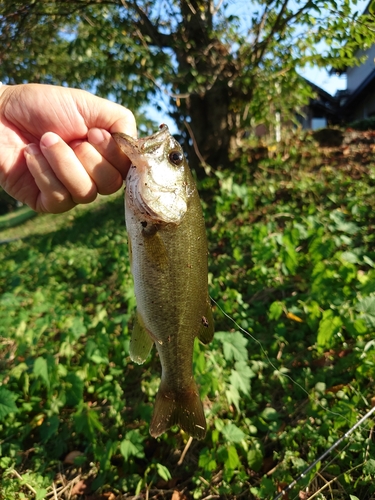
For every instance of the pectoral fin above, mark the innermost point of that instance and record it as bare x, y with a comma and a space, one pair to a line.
206, 332
140, 342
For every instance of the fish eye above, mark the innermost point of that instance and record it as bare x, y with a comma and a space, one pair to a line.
176, 157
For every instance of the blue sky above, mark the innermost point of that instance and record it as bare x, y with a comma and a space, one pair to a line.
324, 80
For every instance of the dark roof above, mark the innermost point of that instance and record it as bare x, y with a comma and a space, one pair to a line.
321, 93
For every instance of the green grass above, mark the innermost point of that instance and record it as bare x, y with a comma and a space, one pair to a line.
292, 261
16, 218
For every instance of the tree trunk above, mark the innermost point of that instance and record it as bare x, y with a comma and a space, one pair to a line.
211, 126
206, 74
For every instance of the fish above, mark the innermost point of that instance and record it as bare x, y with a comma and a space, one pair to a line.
169, 263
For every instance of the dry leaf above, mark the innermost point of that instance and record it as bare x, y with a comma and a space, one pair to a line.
303, 495
178, 495
69, 459
109, 496
280, 487
292, 316
80, 488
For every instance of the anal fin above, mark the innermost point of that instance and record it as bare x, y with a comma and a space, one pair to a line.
140, 342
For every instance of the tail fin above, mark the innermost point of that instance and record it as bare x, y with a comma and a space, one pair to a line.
183, 408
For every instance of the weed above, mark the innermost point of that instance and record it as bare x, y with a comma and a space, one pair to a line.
292, 261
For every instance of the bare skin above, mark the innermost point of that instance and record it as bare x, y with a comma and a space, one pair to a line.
56, 149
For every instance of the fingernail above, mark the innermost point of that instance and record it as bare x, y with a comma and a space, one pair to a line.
49, 139
96, 136
32, 149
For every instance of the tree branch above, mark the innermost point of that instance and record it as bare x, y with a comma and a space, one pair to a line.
275, 28
146, 26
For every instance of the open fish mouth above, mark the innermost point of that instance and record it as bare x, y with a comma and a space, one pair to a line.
156, 185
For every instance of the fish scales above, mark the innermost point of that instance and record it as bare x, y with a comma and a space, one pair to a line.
168, 251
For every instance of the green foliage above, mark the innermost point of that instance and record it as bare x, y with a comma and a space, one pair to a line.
365, 124
7, 403
291, 246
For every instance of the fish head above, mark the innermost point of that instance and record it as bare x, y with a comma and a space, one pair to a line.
158, 183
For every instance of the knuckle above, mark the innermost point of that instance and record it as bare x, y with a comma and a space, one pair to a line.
84, 197
111, 187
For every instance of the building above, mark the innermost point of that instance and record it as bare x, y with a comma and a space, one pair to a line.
322, 110
359, 101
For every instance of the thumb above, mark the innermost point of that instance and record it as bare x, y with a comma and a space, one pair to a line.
102, 113
125, 124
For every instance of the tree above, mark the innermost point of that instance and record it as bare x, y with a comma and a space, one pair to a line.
219, 62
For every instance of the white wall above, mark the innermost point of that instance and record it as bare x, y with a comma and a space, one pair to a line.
357, 74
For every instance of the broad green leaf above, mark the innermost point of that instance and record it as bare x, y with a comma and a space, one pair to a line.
233, 433
18, 370
255, 458
206, 460
232, 461
234, 345
88, 422
275, 310
289, 255
74, 389
78, 328
329, 325
349, 257
369, 467
163, 472
233, 396
99, 359
266, 488
341, 224
41, 370
41, 494
360, 325
7, 402
320, 387
240, 376
49, 427
129, 449
270, 414
366, 307
368, 261
132, 445
107, 453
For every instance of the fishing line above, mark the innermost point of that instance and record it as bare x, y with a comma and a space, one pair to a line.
274, 366
325, 454
335, 444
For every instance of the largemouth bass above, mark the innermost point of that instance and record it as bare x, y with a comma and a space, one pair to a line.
168, 258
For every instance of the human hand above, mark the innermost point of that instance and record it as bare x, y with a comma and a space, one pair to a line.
56, 148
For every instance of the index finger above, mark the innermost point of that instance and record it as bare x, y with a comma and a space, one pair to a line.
104, 143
